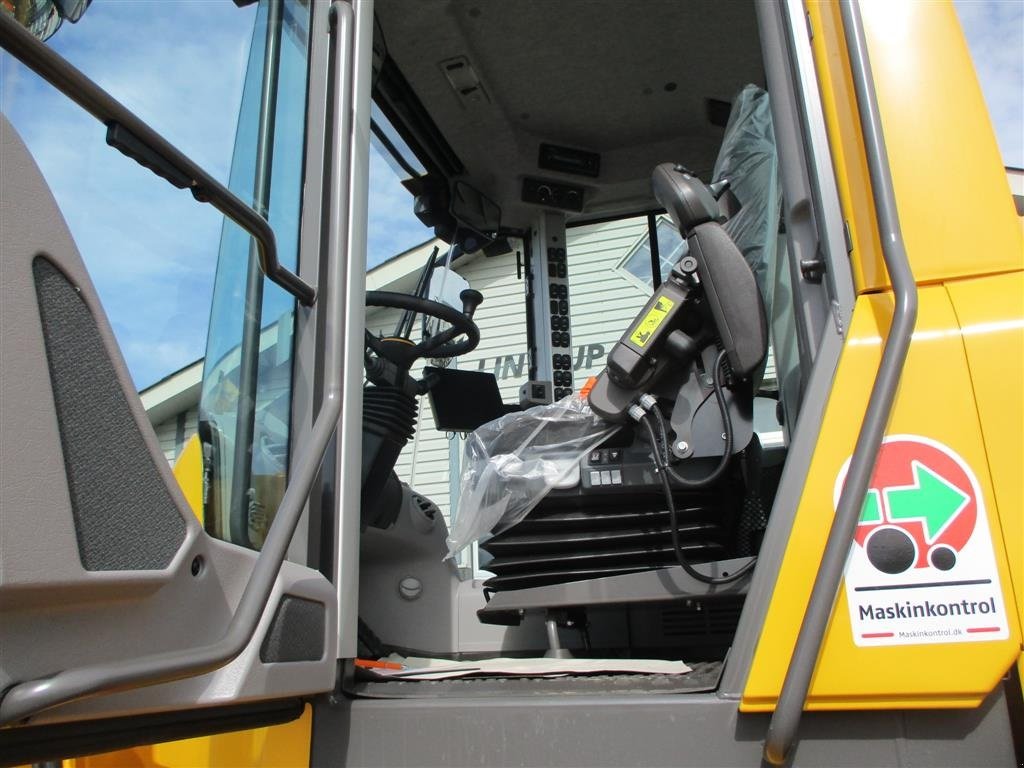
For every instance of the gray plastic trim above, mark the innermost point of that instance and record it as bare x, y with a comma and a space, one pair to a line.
247, 677
49, 65
786, 718
30, 697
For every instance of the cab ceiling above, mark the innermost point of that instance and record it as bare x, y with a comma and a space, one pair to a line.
629, 80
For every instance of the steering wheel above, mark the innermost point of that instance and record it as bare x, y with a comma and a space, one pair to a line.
442, 344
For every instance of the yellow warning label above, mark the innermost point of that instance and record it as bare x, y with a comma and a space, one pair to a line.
646, 328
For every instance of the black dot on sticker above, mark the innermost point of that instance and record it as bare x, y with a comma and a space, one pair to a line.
670, 87
891, 550
943, 558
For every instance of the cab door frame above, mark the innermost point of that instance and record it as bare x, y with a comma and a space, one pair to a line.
87, 705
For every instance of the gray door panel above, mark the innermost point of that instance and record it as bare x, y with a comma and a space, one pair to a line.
101, 558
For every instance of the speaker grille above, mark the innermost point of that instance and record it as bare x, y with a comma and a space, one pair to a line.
297, 632
125, 518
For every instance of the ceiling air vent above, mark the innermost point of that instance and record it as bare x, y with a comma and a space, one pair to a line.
464, 81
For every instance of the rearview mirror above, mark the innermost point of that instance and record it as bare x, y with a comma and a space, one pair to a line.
43, 17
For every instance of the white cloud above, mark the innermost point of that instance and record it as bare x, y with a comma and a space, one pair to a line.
995, 34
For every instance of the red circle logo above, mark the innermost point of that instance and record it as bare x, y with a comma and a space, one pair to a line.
920, 508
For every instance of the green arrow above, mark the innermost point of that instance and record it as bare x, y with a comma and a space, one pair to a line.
931, 498
871, 512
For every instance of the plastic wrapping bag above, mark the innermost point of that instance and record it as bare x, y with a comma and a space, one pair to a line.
511, 463
748, 158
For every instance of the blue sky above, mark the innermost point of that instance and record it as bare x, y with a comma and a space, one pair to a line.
995, 34
180, 64
151, 250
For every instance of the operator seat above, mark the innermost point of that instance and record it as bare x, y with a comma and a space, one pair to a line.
709, 304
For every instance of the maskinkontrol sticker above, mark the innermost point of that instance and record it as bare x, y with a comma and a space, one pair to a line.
922, 568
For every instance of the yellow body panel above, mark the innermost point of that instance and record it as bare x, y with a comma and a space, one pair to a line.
188, 471
991, 312
955, 206
276, 746
958, 221
282, 746
936, 401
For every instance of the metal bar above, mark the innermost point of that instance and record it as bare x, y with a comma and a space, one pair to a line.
25, 699
404, 328
581, 222
655, 249
252, 313
50, 66
351, 252
786, 717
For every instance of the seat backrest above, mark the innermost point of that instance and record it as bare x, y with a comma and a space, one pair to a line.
727, 280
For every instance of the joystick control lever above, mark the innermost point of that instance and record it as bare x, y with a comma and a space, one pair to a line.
470, 301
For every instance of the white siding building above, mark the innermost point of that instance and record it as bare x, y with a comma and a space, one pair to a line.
604, 297
172, 405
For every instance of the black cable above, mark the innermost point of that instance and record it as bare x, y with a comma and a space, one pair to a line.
664, 471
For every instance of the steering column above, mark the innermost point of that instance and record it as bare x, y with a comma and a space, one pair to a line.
389, 401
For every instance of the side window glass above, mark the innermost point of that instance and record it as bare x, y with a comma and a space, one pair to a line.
150, 248
671, 248
244, 417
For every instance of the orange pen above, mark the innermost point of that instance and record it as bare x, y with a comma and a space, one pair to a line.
371, 664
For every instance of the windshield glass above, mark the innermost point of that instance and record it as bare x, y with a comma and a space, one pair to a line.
393, 227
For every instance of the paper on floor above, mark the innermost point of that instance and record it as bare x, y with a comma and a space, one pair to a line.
416, 668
